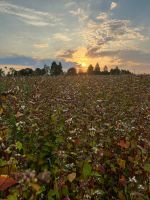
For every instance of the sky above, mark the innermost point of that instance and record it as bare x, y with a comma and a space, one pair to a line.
75, 32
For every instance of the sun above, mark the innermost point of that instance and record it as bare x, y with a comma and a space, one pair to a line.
83, 64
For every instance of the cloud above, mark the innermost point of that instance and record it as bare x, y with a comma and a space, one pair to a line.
113, 5
134, 56
102, 16
70, 4
28, 15
19, 62
67, 54
41, 45
80, 13
110, 34
61, 37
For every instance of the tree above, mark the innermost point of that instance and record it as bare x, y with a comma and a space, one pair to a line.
55, 69
115, 71
72, 71
97, 69
60, 69
123, 71
40, 72
25, 72
47, 69
12, 72
105, 70
90, 70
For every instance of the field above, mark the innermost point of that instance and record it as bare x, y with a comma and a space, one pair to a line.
75, 138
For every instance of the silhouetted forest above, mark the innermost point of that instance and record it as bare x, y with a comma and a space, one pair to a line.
57, 69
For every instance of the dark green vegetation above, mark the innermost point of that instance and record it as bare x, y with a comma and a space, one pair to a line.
77, 138
57, 70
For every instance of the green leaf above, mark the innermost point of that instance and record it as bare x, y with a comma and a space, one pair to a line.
65, 191
87, 169
18, 145
12, 197
2, 163
96, 174
147, 168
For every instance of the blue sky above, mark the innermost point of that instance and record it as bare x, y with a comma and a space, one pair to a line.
76, 32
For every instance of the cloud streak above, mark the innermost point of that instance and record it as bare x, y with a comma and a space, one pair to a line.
28, 15
80, 13
61, 37
41, 45
67, 54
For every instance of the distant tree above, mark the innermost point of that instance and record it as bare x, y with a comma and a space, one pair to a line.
40, 72
12, 72
123, 71
90, 70
105, 70
37, 71
25, 72
15, 73
1, 72
60, 71
97, 70
72, 71
47, 69
115, 71
55, 69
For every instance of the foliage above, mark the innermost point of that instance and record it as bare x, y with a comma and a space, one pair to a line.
90, 70
75, 138
97, 70
56, 69
72, 71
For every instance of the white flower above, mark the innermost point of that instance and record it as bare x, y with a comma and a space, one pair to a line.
69, 138
133, 180
65, 110
23, 107
99, 100
141, 187
73, 131
92, 129
95, 149
68, 121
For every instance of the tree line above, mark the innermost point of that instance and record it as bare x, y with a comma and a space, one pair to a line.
57, 69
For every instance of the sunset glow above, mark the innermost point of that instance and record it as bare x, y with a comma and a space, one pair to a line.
84, 65
74, 99
76, 33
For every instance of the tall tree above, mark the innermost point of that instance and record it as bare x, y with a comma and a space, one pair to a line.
90, 70
115, 71
97, 70
56, 69
105, 70
60, 71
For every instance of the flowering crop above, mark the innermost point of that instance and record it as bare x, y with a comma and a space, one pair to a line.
75, 138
